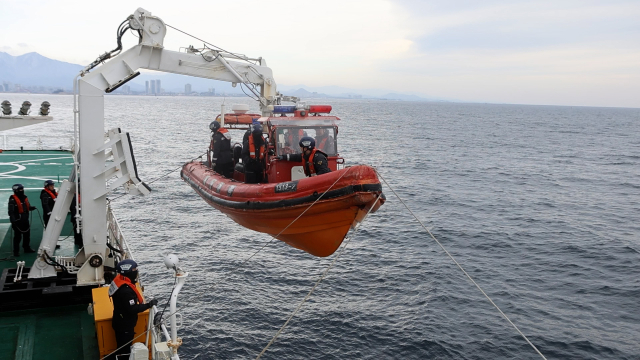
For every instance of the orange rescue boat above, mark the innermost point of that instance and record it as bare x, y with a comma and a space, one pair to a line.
313, 214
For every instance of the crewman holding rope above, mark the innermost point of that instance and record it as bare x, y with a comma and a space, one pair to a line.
127, 303
48, 197
314, 161
19, 208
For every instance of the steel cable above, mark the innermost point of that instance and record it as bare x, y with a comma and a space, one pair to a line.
459, 266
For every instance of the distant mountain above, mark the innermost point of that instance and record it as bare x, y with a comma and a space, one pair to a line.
33, 69
342, 92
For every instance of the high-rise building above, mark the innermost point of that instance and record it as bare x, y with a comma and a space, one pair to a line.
187, 89
158, 87
146, 84
153, 87
126, 89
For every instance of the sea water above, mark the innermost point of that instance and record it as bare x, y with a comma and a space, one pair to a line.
539, 204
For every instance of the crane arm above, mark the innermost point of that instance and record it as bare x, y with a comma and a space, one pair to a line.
150, 54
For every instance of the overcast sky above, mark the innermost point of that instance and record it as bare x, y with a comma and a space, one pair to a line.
528, 52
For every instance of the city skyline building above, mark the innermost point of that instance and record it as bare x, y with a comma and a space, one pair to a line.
146, 84
187, 89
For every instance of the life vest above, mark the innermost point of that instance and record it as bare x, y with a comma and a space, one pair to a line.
53, 195
252, 149
290, 136
20, 208
123, 280
323, 142
308, 166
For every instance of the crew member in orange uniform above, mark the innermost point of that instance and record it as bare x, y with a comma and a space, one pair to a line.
48, 197
127, 303
253, 151
19, 208
313, 160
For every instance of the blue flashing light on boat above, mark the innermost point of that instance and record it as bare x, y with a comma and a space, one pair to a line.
284, 109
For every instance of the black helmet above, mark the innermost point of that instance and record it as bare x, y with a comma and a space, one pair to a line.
17, 187
257, 129
48, 182
126, 267
214, 126
308, 142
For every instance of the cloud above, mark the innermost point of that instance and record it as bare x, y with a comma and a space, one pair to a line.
23, 45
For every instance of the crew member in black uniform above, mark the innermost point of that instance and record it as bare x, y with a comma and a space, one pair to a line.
314, 161
48, 197
253, 152
19, 208
221, 156
127, 303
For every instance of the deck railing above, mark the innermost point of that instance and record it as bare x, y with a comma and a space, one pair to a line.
36, 142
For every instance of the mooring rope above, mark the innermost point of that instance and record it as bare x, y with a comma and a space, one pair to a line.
163, 176
225, 275
318, 281
459, 266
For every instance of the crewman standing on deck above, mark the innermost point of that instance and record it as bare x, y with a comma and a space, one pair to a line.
221, 156
19, 208
127, 303
314, 161
48, 197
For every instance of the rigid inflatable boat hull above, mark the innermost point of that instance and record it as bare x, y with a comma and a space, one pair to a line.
319, 230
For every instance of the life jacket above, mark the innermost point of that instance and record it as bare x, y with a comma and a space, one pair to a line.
290, 136
307, 165
19, 203
123, 280
52, 194
323, 142
252, 149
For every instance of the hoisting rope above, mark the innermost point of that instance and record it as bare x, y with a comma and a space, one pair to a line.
225, 275
459, 266
165, 175
317, 282
273, 237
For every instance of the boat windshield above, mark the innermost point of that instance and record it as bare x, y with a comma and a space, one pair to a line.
288, 138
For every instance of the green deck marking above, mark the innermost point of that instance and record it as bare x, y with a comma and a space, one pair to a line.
31, 168
64, 333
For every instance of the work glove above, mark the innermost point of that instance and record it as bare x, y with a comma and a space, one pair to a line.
31, 208
153, 303
279, 157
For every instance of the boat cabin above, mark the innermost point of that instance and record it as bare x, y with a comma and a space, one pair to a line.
282, 133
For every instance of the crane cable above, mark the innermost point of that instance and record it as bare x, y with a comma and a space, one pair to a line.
241, 264
460, 266
317, 282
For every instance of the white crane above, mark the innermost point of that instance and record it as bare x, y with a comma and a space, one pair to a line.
95, 147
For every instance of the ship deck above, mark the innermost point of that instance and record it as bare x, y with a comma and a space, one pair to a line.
41, 332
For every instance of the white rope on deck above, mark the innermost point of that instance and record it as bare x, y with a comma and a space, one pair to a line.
459, 266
